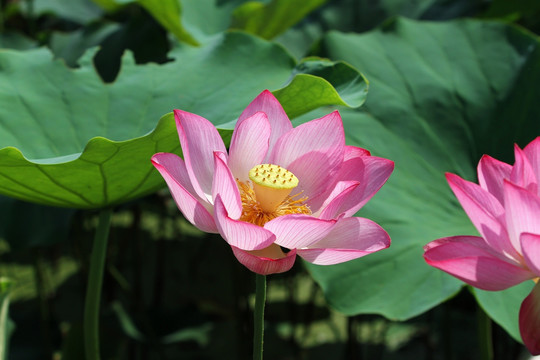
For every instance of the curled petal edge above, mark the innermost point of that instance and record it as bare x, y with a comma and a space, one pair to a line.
264, 265
240, 234
469, 259
194, 211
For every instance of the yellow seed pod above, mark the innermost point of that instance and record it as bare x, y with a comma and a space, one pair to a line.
272, 184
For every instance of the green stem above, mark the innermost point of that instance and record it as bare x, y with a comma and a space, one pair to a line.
6, 328
93, 292
484, 335
258, 330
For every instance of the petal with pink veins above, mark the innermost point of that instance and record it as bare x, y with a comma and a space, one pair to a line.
369, 171
249, 145
271, 260
529, 321
350, 239
199, 139
173, 170
241, 234
522, 172
352, 170
298, 230
486, 213
224, 184
522, 209
278, 119
532, 151
313, 152
530, 246
354, 152
471, 260
376, 172
333, 205
491, 175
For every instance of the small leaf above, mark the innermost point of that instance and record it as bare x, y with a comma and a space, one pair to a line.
126, 323
320, 82
200, 334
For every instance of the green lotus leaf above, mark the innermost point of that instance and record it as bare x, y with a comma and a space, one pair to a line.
271, 19
192, 22
80, 11
68, 139
441, 95
168, 12
504, 305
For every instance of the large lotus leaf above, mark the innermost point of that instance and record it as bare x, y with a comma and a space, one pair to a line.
362, 15
194, 21
271, 19
168, 12
441, 95
190, 21
67, 139
71, 46
81, 11
14, 40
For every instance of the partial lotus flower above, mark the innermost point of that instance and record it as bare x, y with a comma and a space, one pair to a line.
505, 209
279, 191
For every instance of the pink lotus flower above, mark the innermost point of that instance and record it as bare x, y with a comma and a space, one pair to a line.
505, 209
277, 188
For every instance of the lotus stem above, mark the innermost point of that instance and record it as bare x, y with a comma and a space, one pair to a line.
485, 340
95, 280
258, 330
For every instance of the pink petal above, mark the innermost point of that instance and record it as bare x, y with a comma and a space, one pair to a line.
350, 239
530, 247
532, 151
249, 145
266, 261
471, 260
376, 173
491, 173
529, 321
297, 231
522, 210
485, 212
174, 172
224, 185
354, 152
523, 173
369, 171
199, 139
241, 234
340, 195
313, 152
278, 119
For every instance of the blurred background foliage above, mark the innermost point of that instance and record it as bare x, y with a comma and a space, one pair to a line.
172, 292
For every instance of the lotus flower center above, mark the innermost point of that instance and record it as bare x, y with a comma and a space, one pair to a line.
266, 195
272, 184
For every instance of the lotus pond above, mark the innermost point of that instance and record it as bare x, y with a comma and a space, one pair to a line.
142, 212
